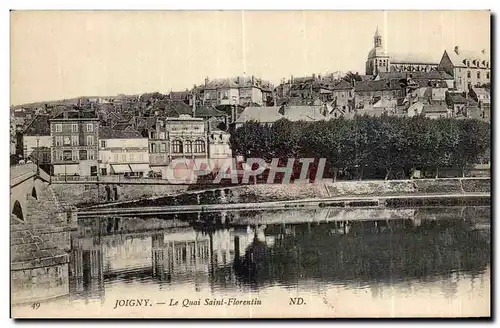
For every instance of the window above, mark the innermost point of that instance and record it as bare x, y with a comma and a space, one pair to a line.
189, 146
468, 74
487, 75
478, 75
59, 156
199, 146
83, 155
90, 140
74, 140
153, 148
103, 143
67, 140
124, 158
141, 158
132, 158
58, 127
59, 141
67, 155
163, 147
74, 127
115, 158
177, 146
74, 155
91, 154
162, 135
90, 127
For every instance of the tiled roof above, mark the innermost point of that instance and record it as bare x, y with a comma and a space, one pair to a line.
112, 133
378, 85
456, 98
120, 126
435, 108
413, 58
271, 114
432, 75
208, 111
476, 58
238, 82
343, 85
481, 92
76, 115
40, 125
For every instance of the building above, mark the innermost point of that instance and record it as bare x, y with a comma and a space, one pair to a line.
176, 137
238, 90
422, 78
482, 97
468, 68
219, 146
366, 93
342, 95
305, 91
37, 140
123, 152
75, 136
380, 61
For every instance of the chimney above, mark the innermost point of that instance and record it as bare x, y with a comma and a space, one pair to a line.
319, 77
483, 51
253, 80
206, 81
314, 76
65, 115
291, 79
457, 50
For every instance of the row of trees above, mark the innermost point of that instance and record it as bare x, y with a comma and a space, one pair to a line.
369, 146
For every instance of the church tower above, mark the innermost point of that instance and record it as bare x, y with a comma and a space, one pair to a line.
378, 60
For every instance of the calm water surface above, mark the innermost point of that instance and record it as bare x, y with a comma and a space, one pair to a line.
360, 262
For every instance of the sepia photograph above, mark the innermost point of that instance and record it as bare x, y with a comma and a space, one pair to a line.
249, 164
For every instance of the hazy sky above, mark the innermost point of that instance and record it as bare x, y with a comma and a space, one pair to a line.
64, 54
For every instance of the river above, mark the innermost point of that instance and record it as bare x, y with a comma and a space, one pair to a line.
337, 262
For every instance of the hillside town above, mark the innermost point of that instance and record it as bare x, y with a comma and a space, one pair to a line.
139, 135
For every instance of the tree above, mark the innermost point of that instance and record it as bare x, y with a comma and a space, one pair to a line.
350, 77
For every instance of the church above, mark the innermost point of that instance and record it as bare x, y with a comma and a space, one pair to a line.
379, 61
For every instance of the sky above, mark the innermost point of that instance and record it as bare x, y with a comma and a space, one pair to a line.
66, 54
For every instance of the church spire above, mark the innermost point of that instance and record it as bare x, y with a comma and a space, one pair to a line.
377, 39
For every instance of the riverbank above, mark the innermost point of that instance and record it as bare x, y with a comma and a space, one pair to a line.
321, 192
366, 201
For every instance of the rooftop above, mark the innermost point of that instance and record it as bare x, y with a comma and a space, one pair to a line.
460, 58
413, 58
377, 85
432, 75
272, 114
75, 115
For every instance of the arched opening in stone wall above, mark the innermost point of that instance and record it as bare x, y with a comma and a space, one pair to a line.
18, 211
115, 192
33, 193
108, 193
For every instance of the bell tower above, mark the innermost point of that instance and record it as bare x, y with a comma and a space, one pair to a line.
378, 61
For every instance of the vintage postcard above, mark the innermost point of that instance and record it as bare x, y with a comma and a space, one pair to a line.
250, 164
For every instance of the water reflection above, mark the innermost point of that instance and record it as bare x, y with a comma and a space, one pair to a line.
255, 250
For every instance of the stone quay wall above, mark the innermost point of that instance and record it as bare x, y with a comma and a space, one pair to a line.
81, 195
